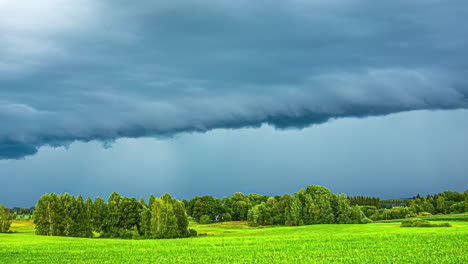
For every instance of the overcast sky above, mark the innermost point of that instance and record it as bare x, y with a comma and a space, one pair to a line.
211, 97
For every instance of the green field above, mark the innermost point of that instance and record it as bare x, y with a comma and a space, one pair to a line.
235, 242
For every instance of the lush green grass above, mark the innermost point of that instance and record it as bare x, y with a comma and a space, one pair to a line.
235, 242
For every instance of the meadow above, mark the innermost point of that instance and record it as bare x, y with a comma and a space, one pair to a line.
236, 242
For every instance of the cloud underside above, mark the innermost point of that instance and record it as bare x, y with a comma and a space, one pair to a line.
101, 71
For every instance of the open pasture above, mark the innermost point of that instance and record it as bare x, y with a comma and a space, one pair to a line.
235, 242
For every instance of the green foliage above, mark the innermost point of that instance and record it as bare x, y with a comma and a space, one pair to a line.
388, 214
99, 215
313, 205
21, 213
192, 232
364, 201
5, 219
240, 210
280, 207
237, 205
424, 214
227, 217
390, 203
168, 218
123, 213
441, 205
368, 210
416, 222
205, 219
427, 206
357, 216
145, 219
164, 217
457, 208
63, 215
260, 215
294, 214
344, 212
325, 201
206, 205
256, 199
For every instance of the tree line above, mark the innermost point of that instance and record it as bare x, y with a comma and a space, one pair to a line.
447, 202
21, 211
312, 205
166, 217
364, 200
123, 217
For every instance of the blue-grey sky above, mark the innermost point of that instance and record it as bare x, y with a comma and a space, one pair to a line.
275, 95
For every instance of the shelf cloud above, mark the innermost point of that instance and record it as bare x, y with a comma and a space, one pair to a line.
101, 70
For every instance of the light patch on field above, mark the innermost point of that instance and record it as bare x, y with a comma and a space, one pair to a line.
22, 226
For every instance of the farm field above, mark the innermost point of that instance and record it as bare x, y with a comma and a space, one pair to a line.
235, 242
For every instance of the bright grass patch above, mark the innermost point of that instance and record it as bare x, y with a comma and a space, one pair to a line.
235, 242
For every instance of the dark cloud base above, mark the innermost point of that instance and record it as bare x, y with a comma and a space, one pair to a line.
17, 150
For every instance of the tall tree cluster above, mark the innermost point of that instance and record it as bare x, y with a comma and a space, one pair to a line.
124, 217
63, 215
5, 219
313, 205
235, 207
447, 202
166, 217
442, 203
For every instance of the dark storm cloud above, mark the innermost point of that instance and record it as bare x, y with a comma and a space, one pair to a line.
87, 70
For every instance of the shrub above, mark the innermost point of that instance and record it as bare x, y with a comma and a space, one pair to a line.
192, 232
411, 214
205, 219
424, 214
368, 210
416, 222
376, 216
227, 217
389, 214
358, 217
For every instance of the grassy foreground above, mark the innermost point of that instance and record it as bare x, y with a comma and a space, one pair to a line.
235, 242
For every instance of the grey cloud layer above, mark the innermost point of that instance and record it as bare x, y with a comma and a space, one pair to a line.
85, 71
